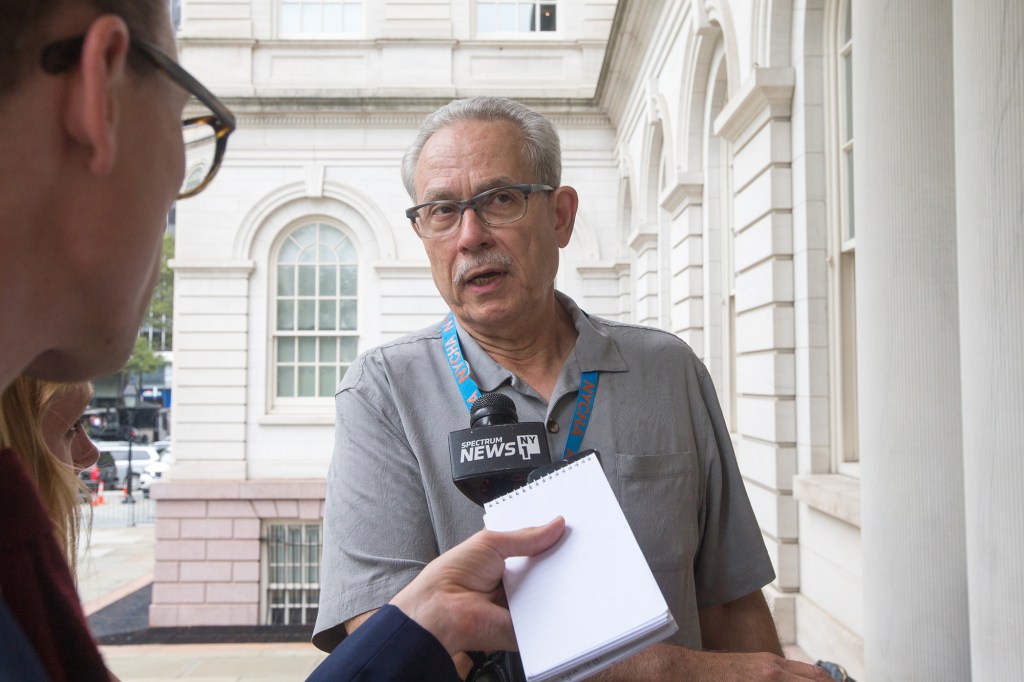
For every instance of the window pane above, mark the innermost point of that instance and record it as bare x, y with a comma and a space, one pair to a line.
328, 280
547, 18
328, 381
307, 280
348, 348
285, 382
311, 18
308, 255
328, 350
346, 250
285, 315
486, 18
526, 17
348, 315
848, 109
349, 280
506, 16
285, 280
305, 235
307, 349
332, 18
326, 254
848, 21
289, 252
850, 232
291, 21
286, 349
307, 315
328, 316
353, 17
307, 382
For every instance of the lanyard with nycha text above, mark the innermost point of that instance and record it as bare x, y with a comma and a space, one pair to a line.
470, 391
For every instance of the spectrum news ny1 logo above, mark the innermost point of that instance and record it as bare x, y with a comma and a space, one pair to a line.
525, 446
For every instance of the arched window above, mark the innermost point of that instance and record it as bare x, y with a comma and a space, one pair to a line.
315, 333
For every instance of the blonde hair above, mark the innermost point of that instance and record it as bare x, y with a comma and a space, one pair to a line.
22, 407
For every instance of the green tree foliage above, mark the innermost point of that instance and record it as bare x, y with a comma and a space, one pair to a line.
160, 314
143, 360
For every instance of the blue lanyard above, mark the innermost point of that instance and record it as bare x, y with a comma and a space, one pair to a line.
470, 391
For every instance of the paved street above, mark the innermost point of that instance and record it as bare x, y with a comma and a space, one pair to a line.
118, 561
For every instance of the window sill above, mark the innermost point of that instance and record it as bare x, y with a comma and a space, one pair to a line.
833, 494
304, 419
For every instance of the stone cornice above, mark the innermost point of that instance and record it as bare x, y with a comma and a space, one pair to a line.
388, 112
644, 237
687, 190
398, 269
768, 93
219, 269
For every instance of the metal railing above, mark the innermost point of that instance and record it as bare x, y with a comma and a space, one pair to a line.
116, 512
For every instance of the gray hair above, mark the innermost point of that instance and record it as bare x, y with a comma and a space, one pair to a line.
541, 148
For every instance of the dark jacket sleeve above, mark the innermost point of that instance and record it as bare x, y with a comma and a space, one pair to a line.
388, 646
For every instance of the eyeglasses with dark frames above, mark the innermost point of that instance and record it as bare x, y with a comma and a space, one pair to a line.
498, 206
205, 137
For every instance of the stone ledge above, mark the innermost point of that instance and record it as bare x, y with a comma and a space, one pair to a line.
833, 494
263, 489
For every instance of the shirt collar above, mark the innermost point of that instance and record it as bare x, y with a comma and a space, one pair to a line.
594, 351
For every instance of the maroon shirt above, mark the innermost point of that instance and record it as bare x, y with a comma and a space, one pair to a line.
36, 582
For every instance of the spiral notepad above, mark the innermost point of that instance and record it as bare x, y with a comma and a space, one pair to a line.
591, 600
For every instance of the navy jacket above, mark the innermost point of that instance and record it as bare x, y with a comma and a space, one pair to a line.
389, 646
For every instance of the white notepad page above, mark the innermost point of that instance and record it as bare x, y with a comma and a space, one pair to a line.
589, 601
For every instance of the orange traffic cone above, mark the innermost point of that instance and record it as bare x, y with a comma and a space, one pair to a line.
97, 499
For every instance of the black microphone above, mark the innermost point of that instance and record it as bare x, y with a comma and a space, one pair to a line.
496, 453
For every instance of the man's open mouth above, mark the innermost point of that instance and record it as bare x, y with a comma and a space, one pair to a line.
484, 277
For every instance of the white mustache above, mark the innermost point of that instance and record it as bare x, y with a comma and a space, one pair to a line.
502, 261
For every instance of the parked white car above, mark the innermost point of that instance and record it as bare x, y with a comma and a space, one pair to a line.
142, 457
155, 470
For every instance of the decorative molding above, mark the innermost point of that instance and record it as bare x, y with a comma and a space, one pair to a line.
402, 269
832, 494
594, 269
366, 220
687, 190
217, 269
308, 418
315, 173
306, 113
643, 237
767, 90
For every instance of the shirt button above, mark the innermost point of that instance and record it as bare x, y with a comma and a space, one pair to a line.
553, 426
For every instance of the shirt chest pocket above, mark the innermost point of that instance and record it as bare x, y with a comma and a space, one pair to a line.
658, 495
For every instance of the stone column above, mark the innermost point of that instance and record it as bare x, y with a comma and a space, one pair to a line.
915, 569
989, 81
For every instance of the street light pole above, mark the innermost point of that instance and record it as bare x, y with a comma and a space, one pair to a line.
130, 401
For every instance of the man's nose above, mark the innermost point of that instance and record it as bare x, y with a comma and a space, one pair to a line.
473, 233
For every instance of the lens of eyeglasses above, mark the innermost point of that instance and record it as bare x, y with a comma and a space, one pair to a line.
497, 207
200, 139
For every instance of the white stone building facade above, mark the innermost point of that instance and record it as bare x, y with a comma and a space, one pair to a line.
862, 322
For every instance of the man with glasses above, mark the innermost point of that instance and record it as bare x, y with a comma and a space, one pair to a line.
492, 214
94, 150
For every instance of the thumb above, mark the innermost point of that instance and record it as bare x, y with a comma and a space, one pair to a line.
528, 541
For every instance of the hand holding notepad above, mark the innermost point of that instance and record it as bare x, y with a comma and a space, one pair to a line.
591, 600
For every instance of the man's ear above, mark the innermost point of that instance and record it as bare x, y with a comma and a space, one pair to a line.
92, 110
566, 201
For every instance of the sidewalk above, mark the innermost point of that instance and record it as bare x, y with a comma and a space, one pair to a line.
118, 562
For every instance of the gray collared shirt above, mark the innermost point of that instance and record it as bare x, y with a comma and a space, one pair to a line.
392, 507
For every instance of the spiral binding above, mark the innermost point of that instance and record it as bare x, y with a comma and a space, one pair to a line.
529, 486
